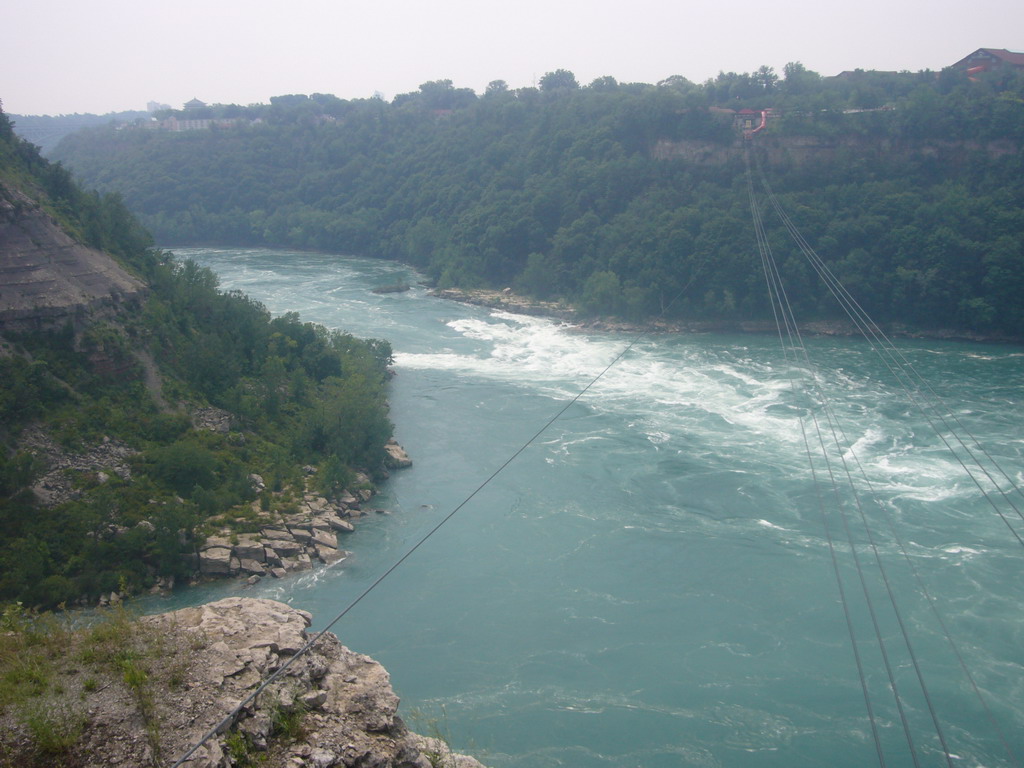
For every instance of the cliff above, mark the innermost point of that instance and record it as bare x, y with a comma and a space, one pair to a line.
144, 693
46, 278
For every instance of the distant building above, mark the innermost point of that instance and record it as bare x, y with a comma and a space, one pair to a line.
194, 104
177, 124
987, 59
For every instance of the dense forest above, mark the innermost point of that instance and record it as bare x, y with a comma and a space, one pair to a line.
297, 394
617, 196
46, 131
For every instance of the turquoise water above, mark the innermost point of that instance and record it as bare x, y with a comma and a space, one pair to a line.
650, 583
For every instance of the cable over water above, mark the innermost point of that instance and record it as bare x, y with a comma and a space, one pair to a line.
230, 718
844, 449
917, 390
660, 590
785, 318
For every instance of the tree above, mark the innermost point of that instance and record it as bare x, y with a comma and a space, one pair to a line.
183, 465
601, 293
798, 80
606, 84
677, 83
333, 477
441, 94
766, 78
559, 80
540, 278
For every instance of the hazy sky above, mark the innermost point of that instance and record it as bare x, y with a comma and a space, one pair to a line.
64, 56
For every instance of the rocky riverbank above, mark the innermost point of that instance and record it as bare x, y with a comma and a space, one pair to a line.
283, 543
146, 692
292, 542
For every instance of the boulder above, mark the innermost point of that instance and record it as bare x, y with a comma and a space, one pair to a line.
396, 457
301, 533
215, 561
273, 559
324, 539
218, 542
317, 504
335, 523
285, 548
248, 565
330, 555
249, 548
275, 533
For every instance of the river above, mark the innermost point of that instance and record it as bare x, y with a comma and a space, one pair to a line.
650, 583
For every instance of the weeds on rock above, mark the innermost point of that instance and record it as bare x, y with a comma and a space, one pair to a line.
437, 738
48, 673
55, 727
242, 752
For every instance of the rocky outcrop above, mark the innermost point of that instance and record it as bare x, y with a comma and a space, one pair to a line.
57, 483
292, 542
284, 543
46, 278
396, 458
214, 419
340, 703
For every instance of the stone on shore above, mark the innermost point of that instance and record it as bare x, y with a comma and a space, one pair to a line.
215, 561
397, 458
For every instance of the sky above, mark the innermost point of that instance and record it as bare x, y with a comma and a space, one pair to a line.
99, 56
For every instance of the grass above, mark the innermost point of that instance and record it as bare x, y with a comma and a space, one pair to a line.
242, 752
49, 672
28, 645
435, 728
287, 724
55, 727
52, 676
32, 691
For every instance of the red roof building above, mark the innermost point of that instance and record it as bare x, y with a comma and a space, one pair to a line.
986, 59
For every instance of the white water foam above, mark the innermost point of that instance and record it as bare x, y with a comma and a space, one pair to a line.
675, 523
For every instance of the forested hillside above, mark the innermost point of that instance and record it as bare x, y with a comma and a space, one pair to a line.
616, 196
109, 478
46, 131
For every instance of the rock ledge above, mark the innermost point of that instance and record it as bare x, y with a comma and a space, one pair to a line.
350, 711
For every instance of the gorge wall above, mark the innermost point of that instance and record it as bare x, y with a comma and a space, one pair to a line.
48, 279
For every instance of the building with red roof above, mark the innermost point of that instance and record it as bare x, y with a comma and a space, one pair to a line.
987, 59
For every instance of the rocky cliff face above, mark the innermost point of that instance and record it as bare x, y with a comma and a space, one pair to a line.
339, 705
46, 278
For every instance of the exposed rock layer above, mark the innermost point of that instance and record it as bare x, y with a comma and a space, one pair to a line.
46, 278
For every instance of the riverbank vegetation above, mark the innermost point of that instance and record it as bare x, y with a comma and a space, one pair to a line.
124, 436
618, 196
